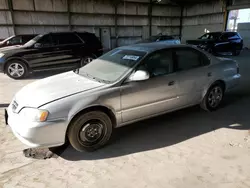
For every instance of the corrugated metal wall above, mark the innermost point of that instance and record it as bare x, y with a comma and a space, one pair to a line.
201, 18
128, 21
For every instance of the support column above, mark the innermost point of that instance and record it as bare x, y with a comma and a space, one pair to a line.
69, 15
10, 5
150, 16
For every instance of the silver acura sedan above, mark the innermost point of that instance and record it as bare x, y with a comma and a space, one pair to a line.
126, 85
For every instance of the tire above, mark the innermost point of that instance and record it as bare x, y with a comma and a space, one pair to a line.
212, 102
16, 69
86, 60
90, 131
236, 53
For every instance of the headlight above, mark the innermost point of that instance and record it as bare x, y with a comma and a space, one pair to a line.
1, 55
34, 114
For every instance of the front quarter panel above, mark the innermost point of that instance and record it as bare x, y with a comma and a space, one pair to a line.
66, 108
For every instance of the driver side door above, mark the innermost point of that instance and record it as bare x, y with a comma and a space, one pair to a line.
142, 99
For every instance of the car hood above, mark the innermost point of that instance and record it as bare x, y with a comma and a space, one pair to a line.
12, 49
53, 88
200, 41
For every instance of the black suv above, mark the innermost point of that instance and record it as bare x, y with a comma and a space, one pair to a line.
219, 43
64, 50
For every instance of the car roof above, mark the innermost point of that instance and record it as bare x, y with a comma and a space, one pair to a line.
63, 32
151, 47
26, 35
221, 32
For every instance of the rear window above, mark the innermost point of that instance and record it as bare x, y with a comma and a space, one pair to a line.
65, 38
88, 37
27, 38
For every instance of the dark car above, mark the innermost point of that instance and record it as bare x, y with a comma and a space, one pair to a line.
219, 43
65, 50
165, 39
16, 40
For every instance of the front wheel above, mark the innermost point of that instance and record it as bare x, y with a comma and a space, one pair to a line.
90, 131
16, 69
86, 60
213, 98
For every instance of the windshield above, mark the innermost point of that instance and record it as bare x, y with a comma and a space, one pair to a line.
112, 66
33, 41
210, 36
3, 41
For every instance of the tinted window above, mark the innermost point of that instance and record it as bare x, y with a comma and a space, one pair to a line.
159, 63
187, 59
45, 40
26, 38
227, 36
210, 36
65, 38
15, 40
166, 38
234, 36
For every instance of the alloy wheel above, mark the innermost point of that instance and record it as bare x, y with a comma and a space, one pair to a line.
16, 70
215, 96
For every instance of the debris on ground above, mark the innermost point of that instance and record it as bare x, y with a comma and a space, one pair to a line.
39, 153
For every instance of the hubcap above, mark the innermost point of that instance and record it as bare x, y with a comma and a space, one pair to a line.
16, 70
215, 97
91, 132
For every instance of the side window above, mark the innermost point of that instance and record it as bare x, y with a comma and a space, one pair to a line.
65, 38
187, 59
233, 36
159, 63
228, 36
27, 38
224, 37
15, 40
45, 41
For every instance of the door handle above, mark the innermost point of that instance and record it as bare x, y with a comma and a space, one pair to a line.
209, 74
171, 83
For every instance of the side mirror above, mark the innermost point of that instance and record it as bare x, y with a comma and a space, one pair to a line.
8, 42
139, 75
37, 45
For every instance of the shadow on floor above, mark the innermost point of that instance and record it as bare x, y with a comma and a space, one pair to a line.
167, 130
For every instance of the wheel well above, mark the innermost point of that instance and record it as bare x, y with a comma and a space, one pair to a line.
222, 83
94, 108
19, 59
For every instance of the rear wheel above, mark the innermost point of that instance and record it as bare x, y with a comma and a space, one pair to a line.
16, 69
90, 131
213, 98
236, 52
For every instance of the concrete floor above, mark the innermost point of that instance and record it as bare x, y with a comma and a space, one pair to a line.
188, 148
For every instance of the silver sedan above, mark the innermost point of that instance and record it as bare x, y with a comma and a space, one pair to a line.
126, 85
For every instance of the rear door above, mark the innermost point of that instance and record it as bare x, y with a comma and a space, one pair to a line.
193, 74
68, 47
226, 42
93, 46
55, 51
